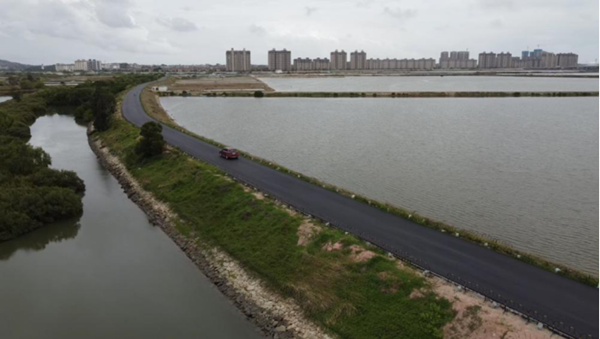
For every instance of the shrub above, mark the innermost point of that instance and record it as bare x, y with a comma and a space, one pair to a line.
151, 142
103, 106
259, 94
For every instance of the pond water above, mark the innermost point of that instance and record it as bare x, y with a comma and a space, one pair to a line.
3, 99
430, 84
108, 274
523, 171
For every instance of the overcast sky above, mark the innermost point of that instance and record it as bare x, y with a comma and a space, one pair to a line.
198, 31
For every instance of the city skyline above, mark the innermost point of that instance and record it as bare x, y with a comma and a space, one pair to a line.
188, 32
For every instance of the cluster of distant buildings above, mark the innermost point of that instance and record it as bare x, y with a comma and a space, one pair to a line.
535, 59
281, 61
91, 65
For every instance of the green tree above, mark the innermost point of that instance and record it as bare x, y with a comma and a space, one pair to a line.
259, 94
26, 84
16, 95
151, 142
47, 177
19, 158
103, 106
13, 81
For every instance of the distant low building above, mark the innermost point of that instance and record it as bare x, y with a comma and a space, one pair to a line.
303, 64
456, 60
160, 88
568, 60
321, 64
65, 67
400, 64
307, 64
111, 66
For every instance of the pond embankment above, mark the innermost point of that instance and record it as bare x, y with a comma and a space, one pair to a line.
402, 94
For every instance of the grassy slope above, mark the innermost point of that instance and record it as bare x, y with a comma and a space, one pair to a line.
351, 299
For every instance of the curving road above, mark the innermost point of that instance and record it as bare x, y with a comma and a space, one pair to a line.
568, 306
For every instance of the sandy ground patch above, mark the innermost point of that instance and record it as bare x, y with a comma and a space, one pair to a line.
360, 254
219, 84
329, 247
306, 232
477, 319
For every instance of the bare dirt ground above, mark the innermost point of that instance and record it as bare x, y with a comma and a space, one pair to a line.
478, 319
220, 84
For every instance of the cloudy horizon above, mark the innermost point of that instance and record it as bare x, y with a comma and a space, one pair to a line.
199, 32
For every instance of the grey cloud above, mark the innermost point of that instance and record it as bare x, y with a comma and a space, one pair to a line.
496, 23
495, 4
400, 14
178, 24
117, 29
78, 22
114, 15
310, 10
258, 30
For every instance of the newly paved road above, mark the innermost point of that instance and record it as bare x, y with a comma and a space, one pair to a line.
570, 306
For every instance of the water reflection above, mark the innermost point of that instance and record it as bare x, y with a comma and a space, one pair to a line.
39, 239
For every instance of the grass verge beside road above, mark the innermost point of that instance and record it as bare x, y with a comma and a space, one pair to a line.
351, 289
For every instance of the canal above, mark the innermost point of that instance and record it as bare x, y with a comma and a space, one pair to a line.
108, 274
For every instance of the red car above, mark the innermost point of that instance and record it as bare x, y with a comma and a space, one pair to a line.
229, 153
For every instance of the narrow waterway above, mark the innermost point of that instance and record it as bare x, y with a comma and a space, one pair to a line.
109, 274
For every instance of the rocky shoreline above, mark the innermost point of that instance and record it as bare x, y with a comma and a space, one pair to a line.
274, 316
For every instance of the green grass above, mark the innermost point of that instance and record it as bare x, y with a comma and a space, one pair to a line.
348, 298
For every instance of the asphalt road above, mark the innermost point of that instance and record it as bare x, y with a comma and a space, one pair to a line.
569, 306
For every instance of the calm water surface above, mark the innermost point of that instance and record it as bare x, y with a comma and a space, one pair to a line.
430, 84
521, 170
110, 274
3, 99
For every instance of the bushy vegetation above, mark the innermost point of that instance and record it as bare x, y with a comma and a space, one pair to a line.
151, 142
94, 101
31, 193
353, 299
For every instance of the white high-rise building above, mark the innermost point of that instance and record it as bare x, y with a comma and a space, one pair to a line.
358, 60
238, 61
339, 60
280, 60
